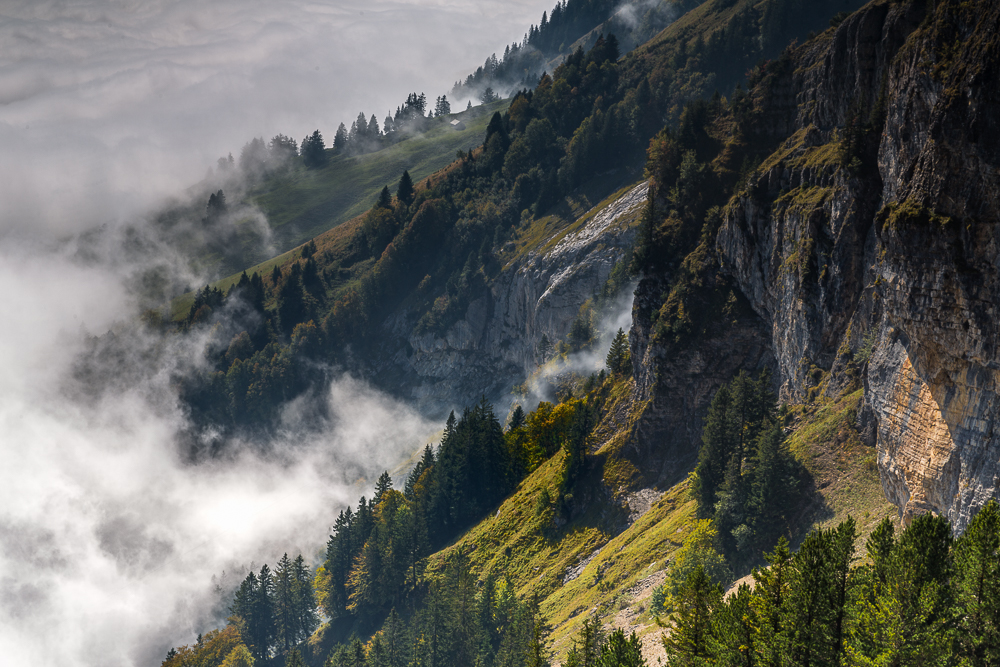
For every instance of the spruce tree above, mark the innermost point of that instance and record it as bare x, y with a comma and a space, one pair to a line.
621, 652
977, 588
618, 356
303, 599
716, 449
516, 418
384, 198
732, 636
383, 484
404, 191
688, 642
770, 595
285, 616
904, 615
294, 659
773, 484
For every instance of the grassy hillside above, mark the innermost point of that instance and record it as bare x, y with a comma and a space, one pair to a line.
305, 203
606, 562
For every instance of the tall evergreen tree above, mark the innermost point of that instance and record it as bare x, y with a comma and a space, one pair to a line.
716, 449
770, 595
340, 138
731, 639
977, 588
383, 484
404, 192
285, 614
303, 599
690, 638
618, 358
384, 198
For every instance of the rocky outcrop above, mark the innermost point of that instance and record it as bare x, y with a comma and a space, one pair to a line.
902, 244
494, 345
674, 386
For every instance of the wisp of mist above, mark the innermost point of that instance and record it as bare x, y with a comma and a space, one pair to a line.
112, 541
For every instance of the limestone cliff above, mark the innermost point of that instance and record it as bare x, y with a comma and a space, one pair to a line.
494, 345
890, 243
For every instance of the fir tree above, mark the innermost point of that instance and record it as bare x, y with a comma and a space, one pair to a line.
770, 595
404, 191
516, 418
340, 138
285, 616
384, 198
688, 642
977, 588
618, 358
731, 639
716, 449
383, 484
621, 652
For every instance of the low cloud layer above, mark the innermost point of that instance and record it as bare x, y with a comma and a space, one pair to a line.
111, 538
107, 107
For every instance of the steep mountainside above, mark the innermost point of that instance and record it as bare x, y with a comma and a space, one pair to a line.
539, 292
832, 229
873, 227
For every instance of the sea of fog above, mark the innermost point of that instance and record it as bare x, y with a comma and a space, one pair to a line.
112, 544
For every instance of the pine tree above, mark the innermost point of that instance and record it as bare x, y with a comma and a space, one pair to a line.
314, 151
688, 642
516, 418
294, 659
716, 449
772, 486
340, 138
621, 652
285, 616
586, 649
977, 588
770, 595
618, 358
904, 617
383, 484
384, 198
404, 191
303, 600
731, 640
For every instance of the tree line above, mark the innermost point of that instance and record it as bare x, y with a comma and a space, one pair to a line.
460, 621
921, 598
376, 555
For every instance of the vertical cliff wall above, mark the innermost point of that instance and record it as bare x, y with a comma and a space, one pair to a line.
874, 227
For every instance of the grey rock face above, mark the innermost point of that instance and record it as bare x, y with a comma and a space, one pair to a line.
908, 249
494, 345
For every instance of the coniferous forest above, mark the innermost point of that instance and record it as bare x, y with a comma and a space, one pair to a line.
749, 547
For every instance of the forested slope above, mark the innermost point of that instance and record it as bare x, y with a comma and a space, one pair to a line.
810, 330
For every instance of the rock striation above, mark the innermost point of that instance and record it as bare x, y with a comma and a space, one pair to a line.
898, 250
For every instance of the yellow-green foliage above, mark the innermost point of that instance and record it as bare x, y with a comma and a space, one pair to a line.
238, 657
795, 154
698, 551
215, 648
547, 427
910, 212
